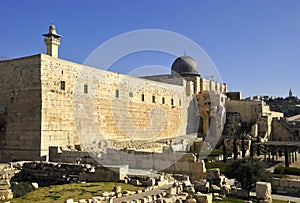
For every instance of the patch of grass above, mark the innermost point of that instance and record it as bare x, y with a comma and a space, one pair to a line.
235, 200
227, 200
76, 191
218, 164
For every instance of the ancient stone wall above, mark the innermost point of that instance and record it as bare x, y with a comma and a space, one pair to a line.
20, 104
181, 163
286, 186
281, 131
249, 110
46, 174
100, 105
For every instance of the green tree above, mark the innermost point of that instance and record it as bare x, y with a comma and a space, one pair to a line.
251, 148
235, 150
248, 171
243, 146
224, 152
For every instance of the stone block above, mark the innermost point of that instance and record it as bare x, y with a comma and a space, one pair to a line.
192, 200
69, 201
201, 186
117, 189
242, 193
150, 182
4, 184
275, 182
82, 201
263, 190
283, 183
7, 194
294, 184
171, 191
233, 191
35, 185
203, 198
225, 189
215, 188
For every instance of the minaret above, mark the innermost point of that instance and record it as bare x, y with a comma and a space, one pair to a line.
52, 41
290, 93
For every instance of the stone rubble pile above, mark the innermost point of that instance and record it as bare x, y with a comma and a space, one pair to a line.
7, 171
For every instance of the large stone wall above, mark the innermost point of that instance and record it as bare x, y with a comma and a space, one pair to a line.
46, 101
288, 186
20, 104
113, 107
249, 110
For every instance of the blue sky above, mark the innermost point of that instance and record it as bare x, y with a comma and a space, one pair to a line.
255, 44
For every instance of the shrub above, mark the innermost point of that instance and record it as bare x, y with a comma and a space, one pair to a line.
287, 171
20, 189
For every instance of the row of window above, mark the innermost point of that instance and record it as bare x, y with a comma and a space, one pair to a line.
63, 87
117, 94
163, 100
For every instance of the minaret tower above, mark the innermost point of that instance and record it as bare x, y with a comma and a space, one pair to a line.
52, 41
290, 93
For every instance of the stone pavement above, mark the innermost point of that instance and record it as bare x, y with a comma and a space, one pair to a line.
286, 198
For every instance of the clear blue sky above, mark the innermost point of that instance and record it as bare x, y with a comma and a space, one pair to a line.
254, 44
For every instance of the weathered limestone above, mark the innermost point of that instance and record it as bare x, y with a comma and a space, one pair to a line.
5, 191
202, 186
203, 198
213, 176
286, 186
69, 201
263, 191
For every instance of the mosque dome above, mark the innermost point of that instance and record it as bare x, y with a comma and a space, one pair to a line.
185, 65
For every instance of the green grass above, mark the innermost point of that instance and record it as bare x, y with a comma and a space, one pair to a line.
235, 200
219, 164
60, 193
227, 199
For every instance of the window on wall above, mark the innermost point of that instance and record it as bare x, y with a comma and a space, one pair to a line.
163, 100
143, 97
85, 89
62, 85
153, 99
180, 102
117, 94
130, 94
172, 102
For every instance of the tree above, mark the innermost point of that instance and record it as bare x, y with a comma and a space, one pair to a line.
251, 148
224, 152
257, 146
248, 171
243, 146
235, 150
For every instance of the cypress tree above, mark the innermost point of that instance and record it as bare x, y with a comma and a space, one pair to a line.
224, 152
235, 150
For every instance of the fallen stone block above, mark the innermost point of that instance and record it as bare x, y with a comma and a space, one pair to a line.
225, 189
35, 185
242, 193
263, 190
203, 198
150, 182
171, 191
69, 201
